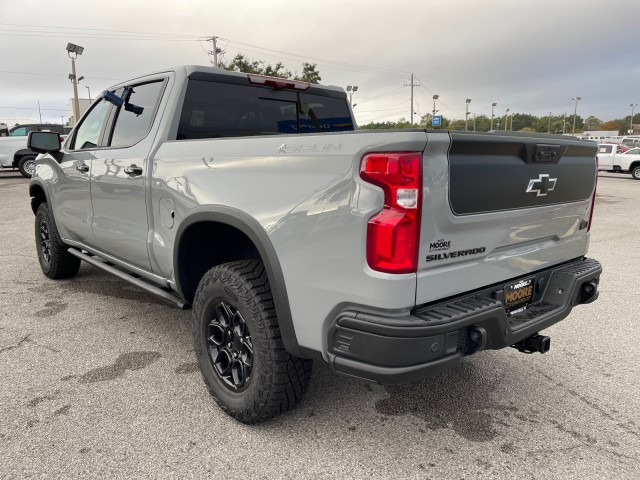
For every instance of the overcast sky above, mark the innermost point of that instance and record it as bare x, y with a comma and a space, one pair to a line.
531, 56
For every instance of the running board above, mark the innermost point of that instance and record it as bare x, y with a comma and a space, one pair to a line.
168, 296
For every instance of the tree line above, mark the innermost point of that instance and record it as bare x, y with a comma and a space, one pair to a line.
521, 122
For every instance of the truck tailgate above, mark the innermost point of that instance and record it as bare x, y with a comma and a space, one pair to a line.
499, 206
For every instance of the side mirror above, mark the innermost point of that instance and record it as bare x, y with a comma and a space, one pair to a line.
44, 142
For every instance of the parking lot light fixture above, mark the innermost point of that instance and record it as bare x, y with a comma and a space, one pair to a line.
351, 89
466, 115
506, 118
493, 105
631, 121
575, 113
73, 51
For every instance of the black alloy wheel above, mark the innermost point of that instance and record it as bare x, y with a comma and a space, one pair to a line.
45, 241
239, 347
55, 260
229, 346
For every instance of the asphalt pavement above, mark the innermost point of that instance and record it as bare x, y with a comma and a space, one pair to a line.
98, 380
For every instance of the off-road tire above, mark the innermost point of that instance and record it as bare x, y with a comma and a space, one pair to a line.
26, 165
56, 262
635, 173
277, 380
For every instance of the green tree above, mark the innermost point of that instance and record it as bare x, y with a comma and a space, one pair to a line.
611, 125
592, 123
309, 73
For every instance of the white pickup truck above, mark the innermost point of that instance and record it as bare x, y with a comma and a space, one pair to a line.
14, 152
611, 158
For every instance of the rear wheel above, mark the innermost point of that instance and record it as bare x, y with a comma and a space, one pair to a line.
635, 173
56, 262
239, 346
27, 166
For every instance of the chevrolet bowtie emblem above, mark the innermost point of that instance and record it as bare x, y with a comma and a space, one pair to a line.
542, 185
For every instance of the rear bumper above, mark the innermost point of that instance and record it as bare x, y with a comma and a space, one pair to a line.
436, 336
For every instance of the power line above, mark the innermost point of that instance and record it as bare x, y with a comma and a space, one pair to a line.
54, 75
98, 30
35, 108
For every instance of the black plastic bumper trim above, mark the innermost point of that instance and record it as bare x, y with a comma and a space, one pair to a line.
412, 345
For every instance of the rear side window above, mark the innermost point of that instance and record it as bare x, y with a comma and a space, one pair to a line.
605, 149
19, 132
135, 117
215, 110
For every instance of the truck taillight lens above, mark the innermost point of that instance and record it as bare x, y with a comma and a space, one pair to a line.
393, 234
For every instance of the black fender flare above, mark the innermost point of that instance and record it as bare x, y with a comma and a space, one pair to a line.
37, 183
256, 233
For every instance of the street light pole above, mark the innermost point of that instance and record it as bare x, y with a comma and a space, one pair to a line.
493, 105
351, 89
466, 115
89, 90
631, 122
506, 119
549, 130
75, 50
575, 113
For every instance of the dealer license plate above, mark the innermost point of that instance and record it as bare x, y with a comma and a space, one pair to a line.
518, 295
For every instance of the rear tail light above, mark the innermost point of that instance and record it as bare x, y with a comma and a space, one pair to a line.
393, 234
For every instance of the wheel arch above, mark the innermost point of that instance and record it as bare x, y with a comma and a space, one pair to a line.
21, 153
38, 194
211, 219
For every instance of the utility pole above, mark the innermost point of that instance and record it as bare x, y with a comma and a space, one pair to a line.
466, 113
575, 113
549, 129
74, 80
40, 113
412, 85
215, 51
493, 105
73, 51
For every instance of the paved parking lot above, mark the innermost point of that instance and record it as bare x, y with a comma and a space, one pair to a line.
97, 378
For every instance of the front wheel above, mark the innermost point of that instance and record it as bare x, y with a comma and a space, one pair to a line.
56, 262
239, 346
635, 173
27, 166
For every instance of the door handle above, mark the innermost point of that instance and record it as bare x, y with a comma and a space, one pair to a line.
83, 167
133, 170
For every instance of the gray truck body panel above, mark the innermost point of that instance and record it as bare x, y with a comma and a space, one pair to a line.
304, 196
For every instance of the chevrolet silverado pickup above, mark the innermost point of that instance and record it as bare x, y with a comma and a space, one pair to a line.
294, 237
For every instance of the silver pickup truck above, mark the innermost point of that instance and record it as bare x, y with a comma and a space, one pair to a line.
390, 255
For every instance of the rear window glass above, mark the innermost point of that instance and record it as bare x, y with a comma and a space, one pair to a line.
605, 149
214, 110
